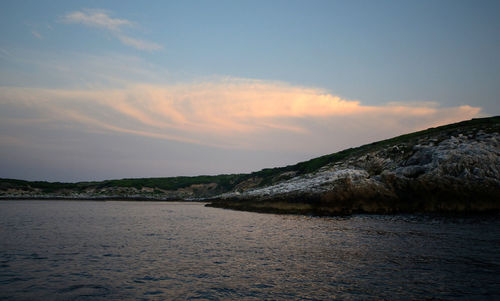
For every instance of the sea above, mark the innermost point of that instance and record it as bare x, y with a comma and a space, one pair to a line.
128, 250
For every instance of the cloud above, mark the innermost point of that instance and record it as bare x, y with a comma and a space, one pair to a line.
96, 18
231, 113
36, 34
139, 44
100, 19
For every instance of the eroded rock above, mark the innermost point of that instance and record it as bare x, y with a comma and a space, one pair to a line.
459, 172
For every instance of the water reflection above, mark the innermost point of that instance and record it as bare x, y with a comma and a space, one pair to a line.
114, 250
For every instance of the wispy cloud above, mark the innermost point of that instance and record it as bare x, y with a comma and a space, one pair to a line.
38, 30
233, 113
36, 34
101, 19
96, 18
139, 44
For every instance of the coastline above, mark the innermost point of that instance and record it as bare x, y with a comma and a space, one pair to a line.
97, 199
305, 209
313, 205
290, 207
452, 168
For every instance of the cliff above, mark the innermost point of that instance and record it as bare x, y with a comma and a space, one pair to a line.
449, 169
452, 168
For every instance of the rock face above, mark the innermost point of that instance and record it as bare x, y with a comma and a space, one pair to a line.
453, 168
456, 171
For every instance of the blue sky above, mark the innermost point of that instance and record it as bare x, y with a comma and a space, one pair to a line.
112, 89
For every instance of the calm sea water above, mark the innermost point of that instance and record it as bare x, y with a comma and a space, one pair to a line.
57, 250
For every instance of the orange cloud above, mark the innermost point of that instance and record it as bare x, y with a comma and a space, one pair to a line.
233, 113
101, 19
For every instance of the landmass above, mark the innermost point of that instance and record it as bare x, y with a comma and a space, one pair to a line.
451, 168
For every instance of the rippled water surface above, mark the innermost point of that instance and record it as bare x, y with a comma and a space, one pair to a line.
56, 250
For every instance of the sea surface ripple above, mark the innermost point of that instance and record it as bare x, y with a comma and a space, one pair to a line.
84, 250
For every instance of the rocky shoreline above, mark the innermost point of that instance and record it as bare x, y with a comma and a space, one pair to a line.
453, 168
444, 172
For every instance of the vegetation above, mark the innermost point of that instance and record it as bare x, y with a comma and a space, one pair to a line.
228, 182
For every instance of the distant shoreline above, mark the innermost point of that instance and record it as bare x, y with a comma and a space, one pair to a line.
97, 199
267, 208
451, 168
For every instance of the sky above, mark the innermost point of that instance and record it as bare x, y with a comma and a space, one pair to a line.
94, 90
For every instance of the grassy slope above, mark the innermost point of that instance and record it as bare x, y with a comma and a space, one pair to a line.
267, 176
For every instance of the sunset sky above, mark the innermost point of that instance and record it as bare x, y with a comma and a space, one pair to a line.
93, 90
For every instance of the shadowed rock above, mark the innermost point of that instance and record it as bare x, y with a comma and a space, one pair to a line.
443, 172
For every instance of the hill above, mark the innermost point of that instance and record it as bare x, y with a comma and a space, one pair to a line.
449, 168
